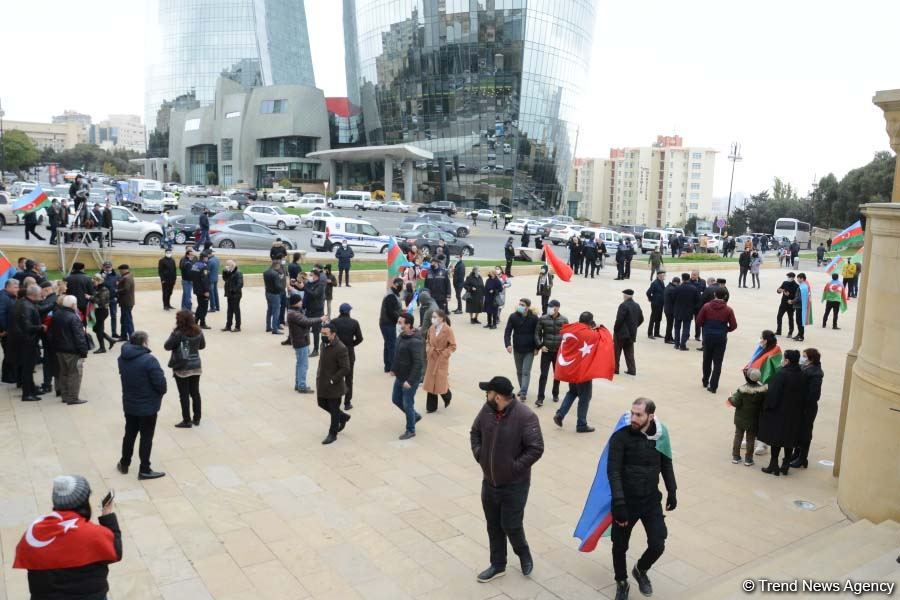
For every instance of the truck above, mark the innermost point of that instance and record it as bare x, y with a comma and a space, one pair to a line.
145, 195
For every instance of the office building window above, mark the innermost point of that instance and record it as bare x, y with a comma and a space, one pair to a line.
226, 146
233, 114
696, 165
267, 107
696, 175
697, 155
695, 186
192, 125
227, 175
286, 147
694, 205
695, 196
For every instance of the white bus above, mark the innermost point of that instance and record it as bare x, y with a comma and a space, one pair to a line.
794, 230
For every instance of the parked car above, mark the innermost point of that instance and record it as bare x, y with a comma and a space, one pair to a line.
228, 216
309, 201
284, 195
413, 229
482, 214
307, 219
244, 234
562, 236
126, 226
546, 230
394, 206
517, 225
185, 227
272, 216
196, 190
440, 206
243, 199
442, 222
428, 243
360, 235
213, 205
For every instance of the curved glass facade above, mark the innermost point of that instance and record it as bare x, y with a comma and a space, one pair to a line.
253, 42
490, 86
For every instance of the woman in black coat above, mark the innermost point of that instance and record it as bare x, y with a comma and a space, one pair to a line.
474, 295
811, 365
186, 341
782, 416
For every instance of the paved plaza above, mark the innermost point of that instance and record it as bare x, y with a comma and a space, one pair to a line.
254, 507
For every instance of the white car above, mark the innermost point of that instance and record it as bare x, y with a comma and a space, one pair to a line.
196, 190
170, 201
482, 214
394, 206
128, 227
308, 202
225, 202
284, 195
273, 216
518, 225
307, 219
563, 235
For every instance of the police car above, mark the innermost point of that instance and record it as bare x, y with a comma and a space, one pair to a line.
329, 232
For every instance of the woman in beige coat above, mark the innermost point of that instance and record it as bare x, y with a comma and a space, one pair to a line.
439, 345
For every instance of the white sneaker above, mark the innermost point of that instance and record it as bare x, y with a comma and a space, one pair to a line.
760, 449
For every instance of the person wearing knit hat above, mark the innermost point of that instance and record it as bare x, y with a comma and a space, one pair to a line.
350, 334
70, 492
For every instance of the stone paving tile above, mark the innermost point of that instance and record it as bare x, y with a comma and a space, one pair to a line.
253, 506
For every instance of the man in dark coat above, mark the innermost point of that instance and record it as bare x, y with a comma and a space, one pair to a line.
781, 420
186, 266
143, 386
717, 320
22, 340
334, 366
7, 303
699, 283
589, 252
200, 278
574, 246
125, 294
789, 292
408, 369
106, 221
30, 221
70, 346
629, 256
628, 318
438, 283
53, 220
314, 301
387, 321
203, 230
350, 334
234, 286
81, 286
686, 301
459, 283
344, 254
656, 294
111, 282
547, 338
509, 252
634, 467
620, 261
167, 276
744, 266
669, 307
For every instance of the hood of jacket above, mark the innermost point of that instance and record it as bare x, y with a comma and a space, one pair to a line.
425, 300
131, 351
717, 310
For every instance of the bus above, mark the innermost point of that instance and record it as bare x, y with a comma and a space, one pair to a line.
794, 230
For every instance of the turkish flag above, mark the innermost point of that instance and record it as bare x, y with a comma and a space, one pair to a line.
584, 354
563, 271
64, 540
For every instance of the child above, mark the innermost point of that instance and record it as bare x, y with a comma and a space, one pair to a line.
747, 401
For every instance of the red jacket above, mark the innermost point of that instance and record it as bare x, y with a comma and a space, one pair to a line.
716, 318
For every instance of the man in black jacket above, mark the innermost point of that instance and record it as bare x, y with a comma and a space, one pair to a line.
70, 346
656, 294
81, 286
744, 265
638, 454
439, 285
387, 321
30, 221
314, 301
106, 221
350, 334
143, 387
506, 441
273, 279
459, 283
519, 339
407, 369
628, 318
334, 365
22, 340
53, 220
547, 338
699, 283
509, 252
186, 266
788, 291
200, 279
203, 231
685, 302
234, 286
167, 276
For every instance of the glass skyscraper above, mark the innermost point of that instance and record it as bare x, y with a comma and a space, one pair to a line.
490, 86
253, 42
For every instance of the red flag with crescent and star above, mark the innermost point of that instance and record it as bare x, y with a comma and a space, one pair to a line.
64, 540
584, 354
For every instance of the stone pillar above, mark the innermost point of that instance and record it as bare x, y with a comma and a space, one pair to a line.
345, 174
889, 102
408, 180
388, 178
332, 186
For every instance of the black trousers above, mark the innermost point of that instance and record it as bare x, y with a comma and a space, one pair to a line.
713, 355
831, 306
146, 426
315, 332
189, 390
509, 262
774, 451
8, 371
628, 268
656, 313
801, 326
548, 359
233, 312
32, 229
167, 287
620, 269
626, 346
742, 277
670, 321
26, 364
545, 301
100, 315
348, 379
504, 510
53, 235
458, 291
343, 272
202, 309
786, 309
649, 512
333, 407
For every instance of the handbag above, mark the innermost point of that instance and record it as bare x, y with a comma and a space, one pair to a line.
500, 300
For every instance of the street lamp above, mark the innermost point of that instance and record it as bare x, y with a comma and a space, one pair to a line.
2, 144
734, 156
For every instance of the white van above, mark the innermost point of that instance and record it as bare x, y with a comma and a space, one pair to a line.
654, 239
352, 199
329, 232
22, 188
608, 236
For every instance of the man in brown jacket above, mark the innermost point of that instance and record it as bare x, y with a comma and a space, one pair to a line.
334, 365
125, 295
506, 440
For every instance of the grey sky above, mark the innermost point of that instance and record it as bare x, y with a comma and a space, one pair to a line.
792, 81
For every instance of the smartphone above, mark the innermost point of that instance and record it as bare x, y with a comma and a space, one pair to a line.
107, 499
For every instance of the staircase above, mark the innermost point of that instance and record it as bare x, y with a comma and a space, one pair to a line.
861, 552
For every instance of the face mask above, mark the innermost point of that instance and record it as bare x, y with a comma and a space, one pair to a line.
804, 360
521, 310
168, 255
283, 262
399, 329
326, 341
43, 269
762, 344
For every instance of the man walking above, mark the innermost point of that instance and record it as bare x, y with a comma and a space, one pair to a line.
547, 338
200, 278
459, 283
186, 265
408, 368
788, 292
203, 231
350, 334
656, 294
686, 301
628, 318
143, 386
833, 296
273, 279
669, 307
638, 455
519, 339
438, 284
70, 346
31, 226
506, 441
22, 342
125, 294
699, 283
387, 321
582, 390
334, 366
716, 319
167, 276
314, 301
656, 262
820, 255
212, 263
234, 286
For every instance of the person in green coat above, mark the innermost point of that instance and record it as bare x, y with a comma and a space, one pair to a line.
747, 401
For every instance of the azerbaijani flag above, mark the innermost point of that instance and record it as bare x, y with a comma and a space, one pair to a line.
394, 259
805, 305
413, 304
597, 515
849, 237
835, 292
832, 265
767, 361
6, 269
423, 275
31, 202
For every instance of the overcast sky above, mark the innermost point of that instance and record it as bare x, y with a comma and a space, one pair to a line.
791, 80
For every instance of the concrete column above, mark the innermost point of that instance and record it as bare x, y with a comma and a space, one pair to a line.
345, 174
388, 178
408, 180
889, 102
331, 177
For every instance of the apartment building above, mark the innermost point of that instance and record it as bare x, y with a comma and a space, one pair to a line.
590, 178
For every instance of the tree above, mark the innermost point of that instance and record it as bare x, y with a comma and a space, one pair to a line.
690, 226
110, 169
212, 178
175, 177
285, 182
19, 152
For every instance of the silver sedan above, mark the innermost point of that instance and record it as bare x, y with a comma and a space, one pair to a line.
238, 234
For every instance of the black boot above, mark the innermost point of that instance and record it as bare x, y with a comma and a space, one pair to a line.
622, 589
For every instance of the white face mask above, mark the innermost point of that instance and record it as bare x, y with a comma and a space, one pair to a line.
399, 329
804, 361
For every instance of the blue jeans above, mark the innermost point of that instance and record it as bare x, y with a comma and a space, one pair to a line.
389, 333
187, 289
204, 237
302, 367
214, 294
583, 392
682, 331
127, 322
273, 308
405, 400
